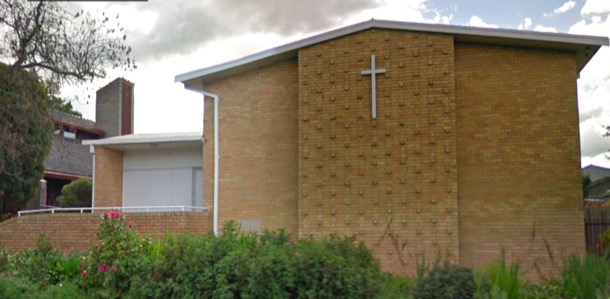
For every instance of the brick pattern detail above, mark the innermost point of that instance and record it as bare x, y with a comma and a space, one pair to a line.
518, 155
73, 232
258, 147
391, 181
108, 178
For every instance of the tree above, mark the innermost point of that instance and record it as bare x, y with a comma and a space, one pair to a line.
78, 193
45, 45
57, 103
61, 46
25, 135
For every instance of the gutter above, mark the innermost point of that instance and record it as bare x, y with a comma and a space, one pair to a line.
216, 149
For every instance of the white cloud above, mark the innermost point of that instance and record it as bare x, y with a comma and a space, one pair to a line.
446, 19
562, 9
397, 10
542, 28
592, 141
595, 7
593, 95
476, 21
527, 22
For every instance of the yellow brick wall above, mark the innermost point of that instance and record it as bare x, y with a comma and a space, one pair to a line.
390, 181
258, 146
73, 232
518, 155
108, 177
475, 149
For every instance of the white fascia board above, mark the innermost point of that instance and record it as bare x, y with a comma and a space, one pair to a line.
458, 31
132, 139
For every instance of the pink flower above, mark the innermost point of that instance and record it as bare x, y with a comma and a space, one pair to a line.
102, 268
115, 268
83, 274
297, 253
130, 224
113, 214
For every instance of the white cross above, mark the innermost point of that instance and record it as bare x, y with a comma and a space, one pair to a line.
373, 72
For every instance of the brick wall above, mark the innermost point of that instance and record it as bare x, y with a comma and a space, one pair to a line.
73, 232
108, 108
108, 178
518, 155
391, 181
258, 147
474, 149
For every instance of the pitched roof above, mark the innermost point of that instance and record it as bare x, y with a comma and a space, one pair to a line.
584, 46
591, 166
69, 156
75, 121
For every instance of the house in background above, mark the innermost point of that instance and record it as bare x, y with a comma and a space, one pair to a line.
597, 193
68, 159
596, 172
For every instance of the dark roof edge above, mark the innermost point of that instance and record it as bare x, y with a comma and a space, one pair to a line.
290, 49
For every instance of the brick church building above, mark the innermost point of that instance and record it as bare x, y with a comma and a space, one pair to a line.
415, 138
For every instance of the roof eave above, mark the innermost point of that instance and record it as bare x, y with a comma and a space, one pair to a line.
584, 46
146, 140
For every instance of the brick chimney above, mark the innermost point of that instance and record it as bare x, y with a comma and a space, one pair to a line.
114, 107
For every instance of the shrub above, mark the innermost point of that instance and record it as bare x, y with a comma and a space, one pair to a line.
4, 259
111, 263
42, 265
505, 280
586, 277
446, 281
394, 286
21, 288
78, 193
269, 265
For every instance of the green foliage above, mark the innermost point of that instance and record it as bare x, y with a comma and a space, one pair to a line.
267, 265
111, 263
4, 259
59, 104
44, 265
21, 288
586, 181
542, 291
504, 280
26, 135
586, 277
40, 268
446, 281
394, 287
270, 265
77, 193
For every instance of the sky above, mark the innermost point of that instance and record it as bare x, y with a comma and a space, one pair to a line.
174, 37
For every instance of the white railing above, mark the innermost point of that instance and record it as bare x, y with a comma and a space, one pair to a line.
124, 209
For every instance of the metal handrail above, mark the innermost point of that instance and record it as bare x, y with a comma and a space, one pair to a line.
125, 209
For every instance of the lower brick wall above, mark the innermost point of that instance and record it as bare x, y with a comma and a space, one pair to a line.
73, 232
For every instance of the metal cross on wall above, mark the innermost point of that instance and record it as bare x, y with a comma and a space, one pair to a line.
373, 72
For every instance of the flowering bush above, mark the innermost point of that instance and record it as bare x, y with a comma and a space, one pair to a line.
111, 263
